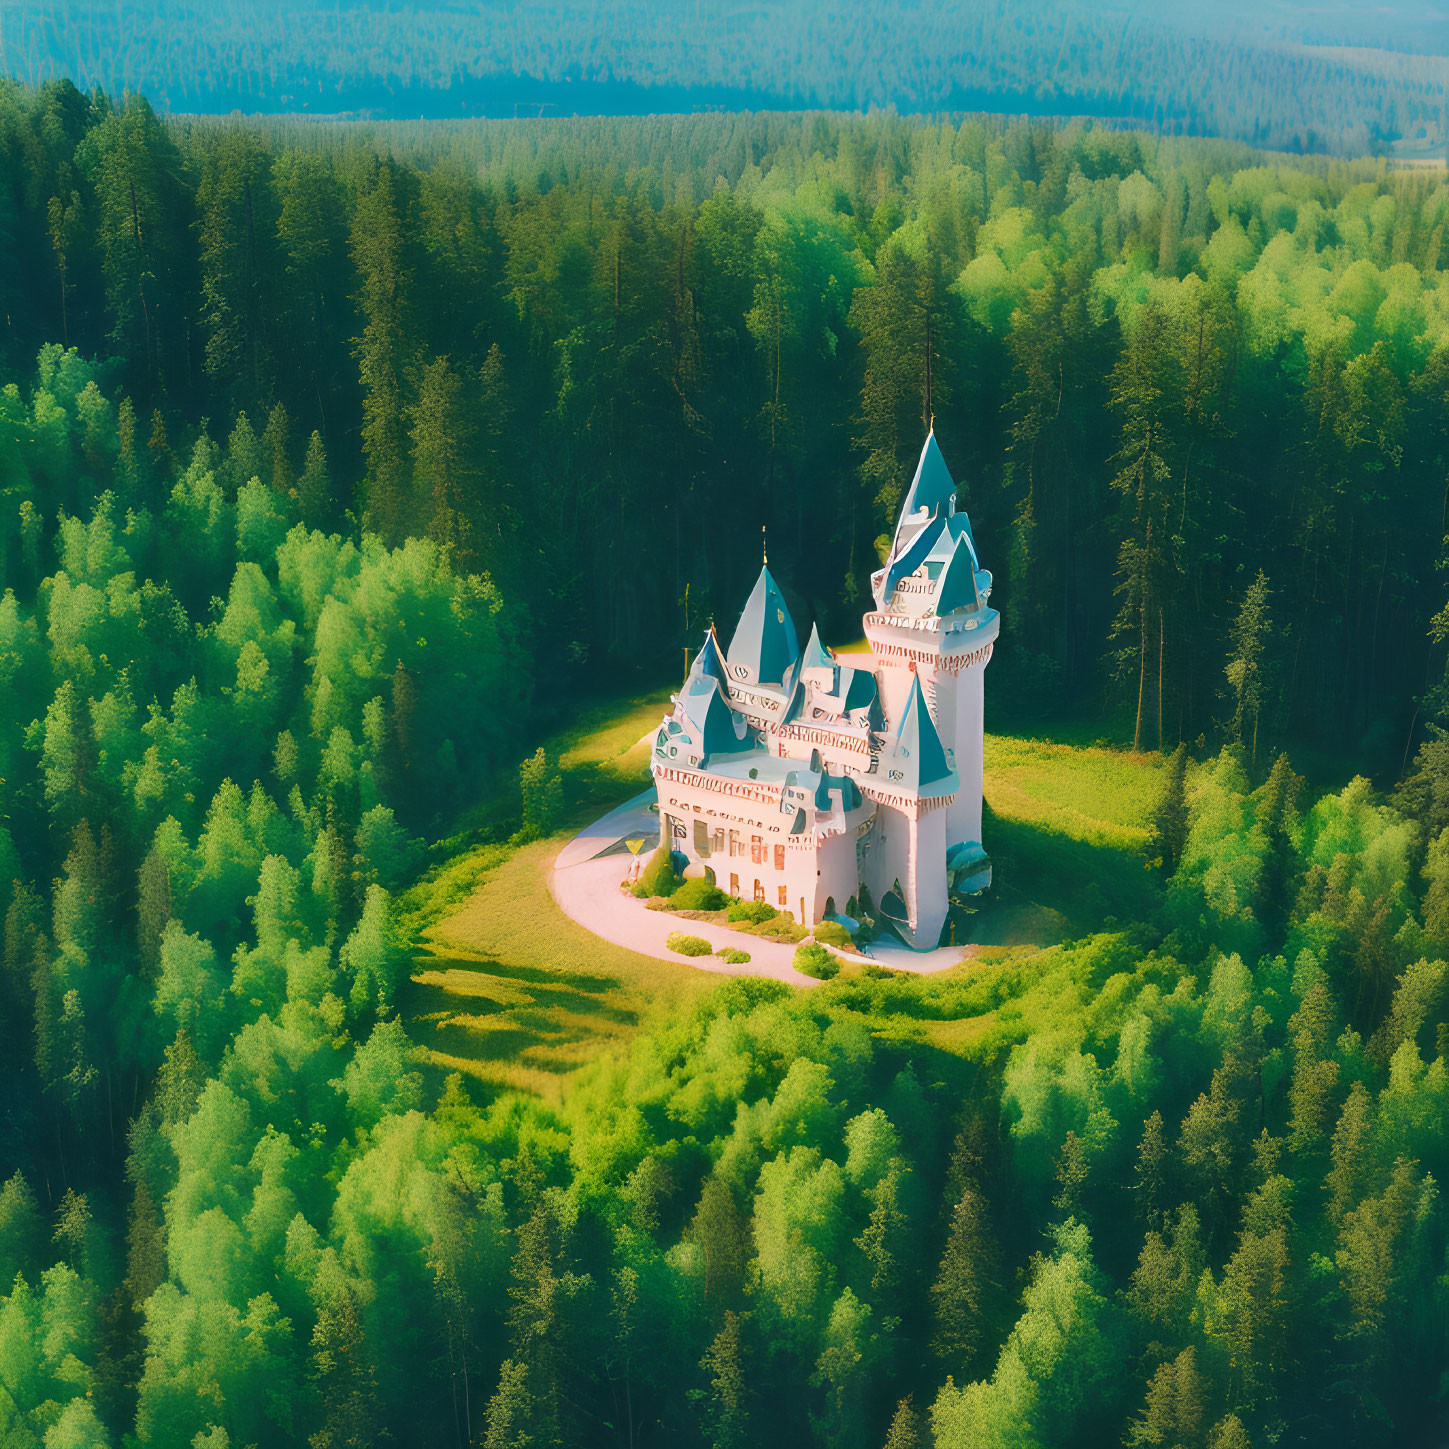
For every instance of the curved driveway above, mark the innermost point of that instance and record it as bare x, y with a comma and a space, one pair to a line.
586, 885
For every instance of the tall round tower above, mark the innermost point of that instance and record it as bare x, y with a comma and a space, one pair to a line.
932, 626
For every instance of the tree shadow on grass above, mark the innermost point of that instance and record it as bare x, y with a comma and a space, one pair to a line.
1048, 886
461, 958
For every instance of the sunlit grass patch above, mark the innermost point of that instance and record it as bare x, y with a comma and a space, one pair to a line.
1101, 796
511, 992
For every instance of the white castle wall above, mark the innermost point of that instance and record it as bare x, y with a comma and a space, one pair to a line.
747, 847
912, 852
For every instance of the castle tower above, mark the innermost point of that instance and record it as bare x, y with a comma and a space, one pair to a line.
932, 631
912, 786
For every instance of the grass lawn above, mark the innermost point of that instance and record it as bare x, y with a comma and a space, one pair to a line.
510, 992
506, 989
1065, 826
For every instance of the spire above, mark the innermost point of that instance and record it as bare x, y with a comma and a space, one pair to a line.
932, 489
817, 656
915, 757
709, 661
765, 645
957, 589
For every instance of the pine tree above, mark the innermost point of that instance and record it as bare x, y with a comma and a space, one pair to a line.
1175, 1408
244, 453
1143, 478
723, 1237
510, 1410
534, 1322
380, 351
22, 1230
1244, 669
1276, 808
153, 908
343, 1376
63, 214
314, 487
442, 470
1073, 1170
725, 1402
1151, 1183
1170, 820
958, 1295
276, 445
880, 1240
906, 1431
145, 1247
542, 789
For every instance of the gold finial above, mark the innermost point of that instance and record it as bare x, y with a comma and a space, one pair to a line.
764, 546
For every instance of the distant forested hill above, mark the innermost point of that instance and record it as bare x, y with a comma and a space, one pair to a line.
1290, 76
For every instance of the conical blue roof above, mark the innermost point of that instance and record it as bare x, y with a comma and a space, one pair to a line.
915, 757
709, 660
817, 656
933, 489
957, 589
907, 560
765, 645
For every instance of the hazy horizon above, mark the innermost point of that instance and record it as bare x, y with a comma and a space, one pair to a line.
1288, 75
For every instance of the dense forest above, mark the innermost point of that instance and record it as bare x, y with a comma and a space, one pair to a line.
327, 455
1294, 75
592, 360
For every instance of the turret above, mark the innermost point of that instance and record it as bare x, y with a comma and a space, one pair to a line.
932, 631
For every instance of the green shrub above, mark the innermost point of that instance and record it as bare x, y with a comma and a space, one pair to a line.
755, 911
731, 957
814, 960
659, 877
782, 928
698, 895
689, 945
832, 933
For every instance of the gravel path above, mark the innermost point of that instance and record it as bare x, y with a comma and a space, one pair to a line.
586, 886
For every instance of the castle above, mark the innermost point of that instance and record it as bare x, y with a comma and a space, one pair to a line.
798, 778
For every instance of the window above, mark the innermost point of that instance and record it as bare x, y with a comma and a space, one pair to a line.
734, 885
784, 895
717, 842
757, 851
701, 839
734, 842
759, 891
780, 864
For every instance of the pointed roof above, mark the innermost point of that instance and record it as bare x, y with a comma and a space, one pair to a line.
765, 646
914, 757
957, 589
906, 559
703, 705
709, 661
817, 656
933, 488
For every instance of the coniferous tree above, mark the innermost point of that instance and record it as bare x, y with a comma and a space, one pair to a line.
958, 1295
1170, 821
380, 350
1244, 670
724, 1403
1143, 479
